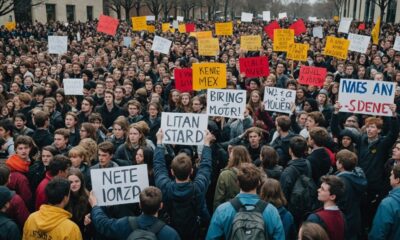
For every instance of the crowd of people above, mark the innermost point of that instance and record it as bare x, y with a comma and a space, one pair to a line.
317, 173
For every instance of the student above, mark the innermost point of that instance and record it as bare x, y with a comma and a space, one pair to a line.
6, 132
319, 157
9, 230
109, 111
52, 221
312, 231
281, 143
105, 155
150, 203
61, 141
42, 135
71, 123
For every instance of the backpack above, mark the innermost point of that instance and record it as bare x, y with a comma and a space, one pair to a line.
303, 198
182, 214
248, 223
138, 233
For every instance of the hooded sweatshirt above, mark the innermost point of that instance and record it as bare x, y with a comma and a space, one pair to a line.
18, 180
51, 222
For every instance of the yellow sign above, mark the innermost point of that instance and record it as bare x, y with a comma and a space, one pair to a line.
167, 27
204, 34
151, 28
375, 31
139, 23
336, 47
182, 28
250, 43
209, 75
10, 26
208, 47
336, 18
298, 51
282, 39
224, 29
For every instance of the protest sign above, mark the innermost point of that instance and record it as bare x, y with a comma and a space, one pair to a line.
317, 32
139, 23
150, 18
190, 27
298, 51
336, 47
183, 79
313, 19
182, 28
344, 25
161, 45
175, 24
358, 43
282, 15
127, 41
299, 27
313, 76
246, 17
279, 99
165, 27
107, 25
266, 16
396, 45
336, 18
10, 26
269, 29
209, 75
204, 34
78, 36
361, 26
226, 103
224, 29
254, 66
73, 86
208, 46
179, 18
250, 43
282, 39
151, 28
183, 128
119, 185
366, 96
58, 44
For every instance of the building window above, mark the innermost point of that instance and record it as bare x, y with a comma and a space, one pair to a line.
51, 12
70, 13
89, 12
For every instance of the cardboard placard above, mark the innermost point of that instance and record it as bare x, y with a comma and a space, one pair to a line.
250, 43
314, 76
182, 28
139, 23
10, 25
107, 25
180, 18
209, 75
254, 66
282, 39
224, 29
358, 43
282, 15
396, 45
58, 44
183, 79
127, 41
336, 47
344, 25
279, 99
150, 18
161, 45
298, 51
208, 47
190, 27
73, 86
299, 27
151, 28
246, 17
318, 32
226, 103
269, 29
166, 27
266, 16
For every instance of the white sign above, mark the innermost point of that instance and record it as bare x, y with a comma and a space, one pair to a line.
179, 18
279, 99
282, 15
317, 32
226, 103
161, 45
396, 45
366, 96
73, 86
358, 43
127, 41
183, 128
266, 16
78, 36
313, 19
58, 44
344, 25
150, 18
119, 185
175, 24
246, 17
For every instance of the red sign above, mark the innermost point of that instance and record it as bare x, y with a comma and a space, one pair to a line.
314, 76
254, 66
361, 26
183, 79
269, 29
299, 27
107, 25
190, 27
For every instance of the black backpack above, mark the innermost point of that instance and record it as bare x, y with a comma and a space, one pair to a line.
182, 214
248, 223
304, 195
138, 233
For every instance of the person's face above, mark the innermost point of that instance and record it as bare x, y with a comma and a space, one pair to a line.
393, 180
175, 97
351, 122
47, 157
23, 151
76, 160
104, 158
372, 131
83, 133
118, 131
280, 69
310, 123
133, 110
378, 77
253, 85
86, 107
99, 89
139, 156
128, 89
70, 121
149, 85
321, 99
324, 194
153, 111
59, 141
108, 99
254, 139
119, 94
75, 183
110, 83
269, 82
158, 89
196, 105
185, 100
255, 98
3, 132
299, 94
307, 107
349, 70
346, 141
396, 152
134, 135
377, 60
19, 123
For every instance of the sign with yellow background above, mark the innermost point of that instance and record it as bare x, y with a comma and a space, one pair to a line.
151, 28
298, 51
10, 26
224, 29
204, 34
282, 39
336, 47
182, 28
165, 27
139, 23
250, 43
208, 47
209, 75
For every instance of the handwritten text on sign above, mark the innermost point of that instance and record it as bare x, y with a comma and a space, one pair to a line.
250, 43
358, 43
183, 79
208, 46
313, 76
282, 39
278, 99
183, 128
298, 51
366, 96
119, 185
58, 44
161, 45
336, 47
254, 66
209, 75
226, 103
224, 29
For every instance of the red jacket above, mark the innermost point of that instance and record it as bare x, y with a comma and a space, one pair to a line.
18, 210
41, 197
18, 181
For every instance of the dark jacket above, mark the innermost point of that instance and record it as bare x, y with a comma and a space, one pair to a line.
154, 125
290, 175
281, 145
36, 174
274, 172
320, 163
74, 138
125, 156
109, 116
42, 138
9, 230
121, 229
355, 185
287, 222
116, 142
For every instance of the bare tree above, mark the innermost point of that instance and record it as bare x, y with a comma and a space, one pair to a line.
116, 6
154, 6
382, 4
212, 7
338, 6
186, 6
8, 6
167, 5
137, 5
